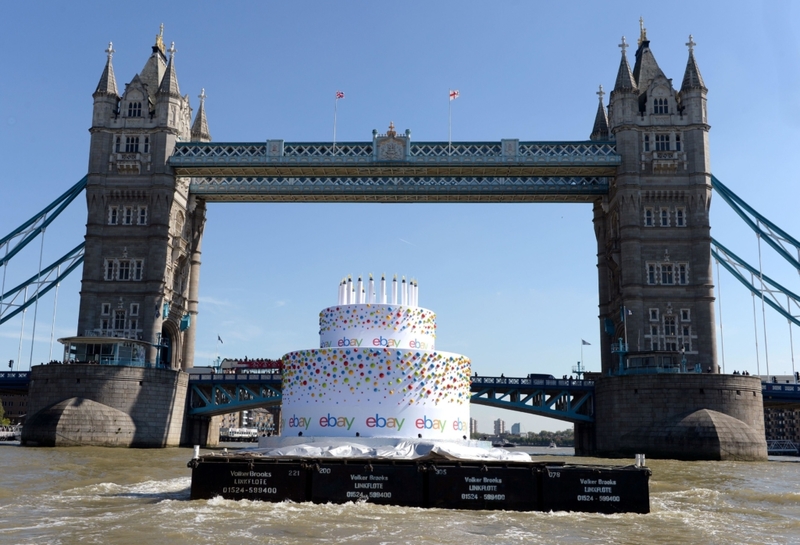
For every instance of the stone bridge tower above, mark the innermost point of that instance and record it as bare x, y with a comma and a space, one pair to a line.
140, 277
653, 232
659, 391
143, 234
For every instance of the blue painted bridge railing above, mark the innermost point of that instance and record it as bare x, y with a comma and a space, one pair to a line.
14, 382
778, 396
562, 399
214, 394
568, 400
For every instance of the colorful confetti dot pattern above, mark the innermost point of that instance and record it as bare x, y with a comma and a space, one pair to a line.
402, 323
386, 377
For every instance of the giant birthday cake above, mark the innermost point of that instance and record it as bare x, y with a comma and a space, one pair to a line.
376, 373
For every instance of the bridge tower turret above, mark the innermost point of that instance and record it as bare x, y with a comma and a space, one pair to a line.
655, 286
143, 234
656, 290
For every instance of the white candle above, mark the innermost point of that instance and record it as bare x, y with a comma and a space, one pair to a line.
404, 293
394, 290
360, 291
383, 289
339, 300
349, 289
371, 293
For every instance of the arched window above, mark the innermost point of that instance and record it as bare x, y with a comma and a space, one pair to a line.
117, 144
147, 144
660, 106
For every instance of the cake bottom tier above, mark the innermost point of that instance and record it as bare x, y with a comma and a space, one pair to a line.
348, 392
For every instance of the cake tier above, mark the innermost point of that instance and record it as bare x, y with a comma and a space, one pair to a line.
373, 392
377, 326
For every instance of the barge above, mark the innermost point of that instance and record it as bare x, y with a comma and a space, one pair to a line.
424, 482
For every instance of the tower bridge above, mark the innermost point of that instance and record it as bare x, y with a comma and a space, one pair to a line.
645, 169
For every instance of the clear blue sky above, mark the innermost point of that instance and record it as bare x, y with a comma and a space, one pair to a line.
514, 286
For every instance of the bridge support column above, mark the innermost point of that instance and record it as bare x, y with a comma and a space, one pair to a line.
199, 220
680, 416
201, 430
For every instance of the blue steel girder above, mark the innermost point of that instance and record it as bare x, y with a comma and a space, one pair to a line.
567, 400
507, 171
216, 394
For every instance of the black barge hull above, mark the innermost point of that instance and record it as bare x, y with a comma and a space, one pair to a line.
514, 486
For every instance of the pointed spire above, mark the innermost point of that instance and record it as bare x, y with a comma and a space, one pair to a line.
169, 83
200, 126
108, 83
600, 129
625, 80
646, 68
691, 77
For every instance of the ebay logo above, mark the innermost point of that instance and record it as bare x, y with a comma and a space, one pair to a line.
380, 422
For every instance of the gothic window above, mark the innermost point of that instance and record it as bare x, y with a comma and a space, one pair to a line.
138, 269
662, 142
147, 144
142, 215
131, 144
105, 324
119, 319
683, 274
133, 324
653, 314
680, 217
124, 270
117, 142
686, 315
134, 109
646, 142
105, 309
651, 274
127, 215
669, 326
113, 214
660, 106
664, 217
134, 309
648, 217
677, 142
667, 277
108, 269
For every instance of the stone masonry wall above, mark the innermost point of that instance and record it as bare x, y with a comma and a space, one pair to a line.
155, 400
624, 404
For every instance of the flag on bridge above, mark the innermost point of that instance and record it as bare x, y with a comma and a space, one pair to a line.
220, 339
584, 343
339, 95
454, 94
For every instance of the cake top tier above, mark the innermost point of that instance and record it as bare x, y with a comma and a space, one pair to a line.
382, 292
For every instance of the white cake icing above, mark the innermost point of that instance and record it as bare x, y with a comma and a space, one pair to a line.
376, 375
377, 326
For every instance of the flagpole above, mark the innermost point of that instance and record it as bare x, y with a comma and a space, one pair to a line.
449, 125
580, 364
335, 105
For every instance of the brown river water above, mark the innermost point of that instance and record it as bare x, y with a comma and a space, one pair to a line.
124, 496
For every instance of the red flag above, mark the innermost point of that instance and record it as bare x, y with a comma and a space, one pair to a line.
454, 94
339, 95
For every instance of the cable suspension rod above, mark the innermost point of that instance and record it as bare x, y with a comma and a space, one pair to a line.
29, 232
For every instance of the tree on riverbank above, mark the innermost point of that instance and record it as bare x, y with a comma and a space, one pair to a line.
3, 420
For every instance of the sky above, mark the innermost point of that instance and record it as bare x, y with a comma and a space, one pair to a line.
514, 286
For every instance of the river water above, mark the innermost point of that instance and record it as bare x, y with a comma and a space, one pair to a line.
125, 496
